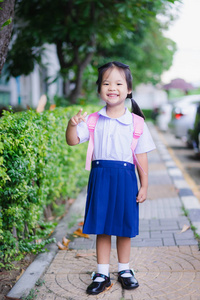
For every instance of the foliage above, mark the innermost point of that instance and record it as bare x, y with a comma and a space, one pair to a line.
176, 93
6, 23
148, 113
36, 168
147, 58
80, 29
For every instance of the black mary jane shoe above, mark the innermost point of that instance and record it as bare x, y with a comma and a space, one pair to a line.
128, 283
97, 287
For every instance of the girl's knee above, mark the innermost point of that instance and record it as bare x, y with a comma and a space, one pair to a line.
123, 238
103, 236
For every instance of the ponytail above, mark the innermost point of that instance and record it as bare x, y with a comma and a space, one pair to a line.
135, 107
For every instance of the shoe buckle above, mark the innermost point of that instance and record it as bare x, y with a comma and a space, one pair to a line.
92, 276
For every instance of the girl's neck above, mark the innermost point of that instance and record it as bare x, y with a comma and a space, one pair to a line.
115, 112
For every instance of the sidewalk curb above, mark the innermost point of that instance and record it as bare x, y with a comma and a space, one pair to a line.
190, 202
42, 261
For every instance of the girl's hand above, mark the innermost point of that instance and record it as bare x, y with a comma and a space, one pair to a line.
142, 195
75, 120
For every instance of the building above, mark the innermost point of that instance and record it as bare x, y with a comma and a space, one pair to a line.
26, 90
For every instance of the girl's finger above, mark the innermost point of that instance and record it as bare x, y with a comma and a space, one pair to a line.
85, 114
79, 113
73, 121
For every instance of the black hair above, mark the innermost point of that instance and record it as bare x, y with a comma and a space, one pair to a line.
115, 64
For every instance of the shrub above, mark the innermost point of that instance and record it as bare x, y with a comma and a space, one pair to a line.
36, 168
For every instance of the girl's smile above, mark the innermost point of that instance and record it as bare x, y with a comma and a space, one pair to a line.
112, 95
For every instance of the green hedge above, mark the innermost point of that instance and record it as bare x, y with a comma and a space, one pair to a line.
36, 168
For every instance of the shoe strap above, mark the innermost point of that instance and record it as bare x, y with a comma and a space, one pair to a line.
126, 271
95, 275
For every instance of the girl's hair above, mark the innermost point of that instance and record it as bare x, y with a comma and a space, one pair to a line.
126, 70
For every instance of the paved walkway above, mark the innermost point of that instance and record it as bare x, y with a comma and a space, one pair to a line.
166, 260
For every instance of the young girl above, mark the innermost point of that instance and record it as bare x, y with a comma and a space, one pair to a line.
113, 197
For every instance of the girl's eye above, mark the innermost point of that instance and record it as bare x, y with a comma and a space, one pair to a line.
119, 84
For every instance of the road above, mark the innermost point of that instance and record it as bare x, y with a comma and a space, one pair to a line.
185, 160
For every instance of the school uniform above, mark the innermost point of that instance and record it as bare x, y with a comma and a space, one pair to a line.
111, 206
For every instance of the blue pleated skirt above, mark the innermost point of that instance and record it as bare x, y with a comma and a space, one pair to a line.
111, 206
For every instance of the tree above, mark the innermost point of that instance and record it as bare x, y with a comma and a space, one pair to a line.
77, 28
147, 57
6, 16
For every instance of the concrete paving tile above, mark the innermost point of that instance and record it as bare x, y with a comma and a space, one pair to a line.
184, 235
156, 166
174, 172
194, 215
180, 184
163, 190
161, 234
186, 242
143, 235
197, 227
154, 222
166, 157
190, 202
156, 180
169, 242
185, 192
149, 243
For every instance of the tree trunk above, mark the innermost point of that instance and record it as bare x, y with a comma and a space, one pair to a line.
81, 65
78, 84
6, 13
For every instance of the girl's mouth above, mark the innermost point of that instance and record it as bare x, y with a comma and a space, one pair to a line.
112, 95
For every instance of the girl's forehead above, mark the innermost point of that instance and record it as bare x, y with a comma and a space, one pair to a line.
114, 73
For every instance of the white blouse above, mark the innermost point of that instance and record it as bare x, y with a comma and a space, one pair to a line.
113, 137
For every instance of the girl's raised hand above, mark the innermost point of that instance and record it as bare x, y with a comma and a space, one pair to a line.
75, 120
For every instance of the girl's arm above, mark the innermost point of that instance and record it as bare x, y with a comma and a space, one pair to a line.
71, 132
143, 176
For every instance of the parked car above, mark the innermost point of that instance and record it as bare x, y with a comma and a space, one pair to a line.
164, 116
194, 134
183, 117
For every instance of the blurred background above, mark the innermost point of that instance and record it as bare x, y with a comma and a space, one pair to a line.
56, 47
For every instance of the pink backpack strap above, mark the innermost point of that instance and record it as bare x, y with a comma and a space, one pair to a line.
91, 123
138, 130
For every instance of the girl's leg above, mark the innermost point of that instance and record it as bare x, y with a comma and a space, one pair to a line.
126, 278
123, 252
103, 246
123, 249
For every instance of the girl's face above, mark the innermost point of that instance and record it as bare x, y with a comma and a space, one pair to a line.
114, 88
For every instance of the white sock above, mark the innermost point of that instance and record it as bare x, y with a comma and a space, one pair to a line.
102, 269
122, 267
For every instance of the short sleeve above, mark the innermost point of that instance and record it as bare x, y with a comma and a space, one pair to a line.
145, 142
83, 132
